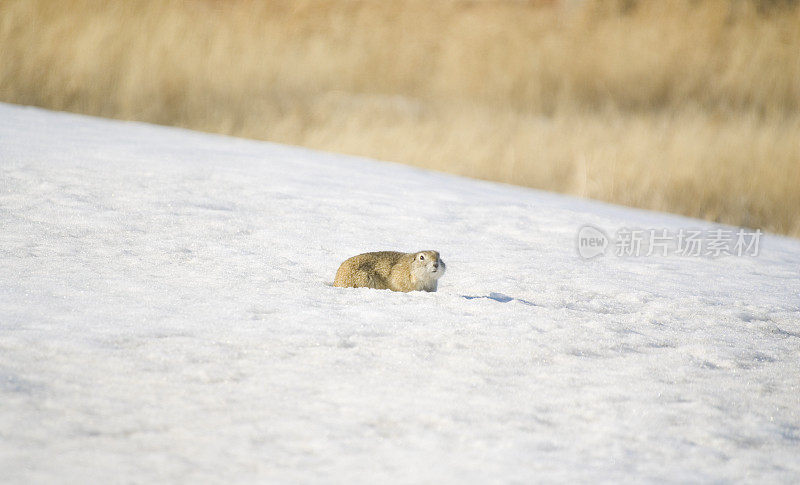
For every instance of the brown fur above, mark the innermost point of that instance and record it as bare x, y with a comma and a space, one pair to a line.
391, 270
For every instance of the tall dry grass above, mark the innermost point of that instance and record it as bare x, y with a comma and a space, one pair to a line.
684, 106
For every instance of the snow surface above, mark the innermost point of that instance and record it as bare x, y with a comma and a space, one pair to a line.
166, 315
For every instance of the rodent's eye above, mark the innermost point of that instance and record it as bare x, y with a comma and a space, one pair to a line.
421, 257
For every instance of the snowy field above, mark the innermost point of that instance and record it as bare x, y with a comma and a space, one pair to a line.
166, 315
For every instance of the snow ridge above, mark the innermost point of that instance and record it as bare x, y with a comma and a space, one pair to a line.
166, 315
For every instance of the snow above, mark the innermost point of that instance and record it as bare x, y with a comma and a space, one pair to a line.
166, 315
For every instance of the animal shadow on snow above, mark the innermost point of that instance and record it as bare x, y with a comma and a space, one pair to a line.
499, 297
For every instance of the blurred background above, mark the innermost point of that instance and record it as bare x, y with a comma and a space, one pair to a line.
685, 106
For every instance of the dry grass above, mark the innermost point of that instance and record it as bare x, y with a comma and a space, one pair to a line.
688, 106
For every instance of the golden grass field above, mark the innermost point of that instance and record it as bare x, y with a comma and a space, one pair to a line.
684, 106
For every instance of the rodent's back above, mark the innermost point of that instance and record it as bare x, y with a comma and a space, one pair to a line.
371, 270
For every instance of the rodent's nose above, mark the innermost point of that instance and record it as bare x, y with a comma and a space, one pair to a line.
435, 265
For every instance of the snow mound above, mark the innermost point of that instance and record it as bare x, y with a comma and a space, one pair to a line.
166, 314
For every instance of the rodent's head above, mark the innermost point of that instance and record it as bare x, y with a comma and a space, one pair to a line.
428, 265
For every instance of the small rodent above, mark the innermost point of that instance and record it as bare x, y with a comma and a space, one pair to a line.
391, 270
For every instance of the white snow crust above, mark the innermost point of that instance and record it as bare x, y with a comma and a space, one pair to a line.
166, 315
